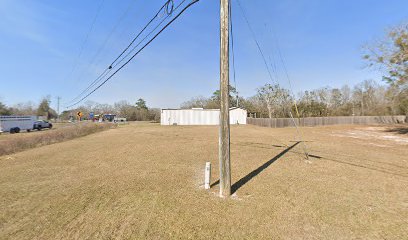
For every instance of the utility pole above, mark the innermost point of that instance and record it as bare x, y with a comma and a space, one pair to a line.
362, 102
58, 109
224, 141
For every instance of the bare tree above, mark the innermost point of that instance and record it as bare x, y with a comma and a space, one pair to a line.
391, 56
26, 108
195, 102
277, 100
269, 96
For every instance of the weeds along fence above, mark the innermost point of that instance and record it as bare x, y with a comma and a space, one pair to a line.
323, 121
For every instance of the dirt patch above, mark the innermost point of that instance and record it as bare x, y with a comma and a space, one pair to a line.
376, 134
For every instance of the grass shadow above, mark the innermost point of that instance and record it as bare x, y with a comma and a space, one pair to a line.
257, 171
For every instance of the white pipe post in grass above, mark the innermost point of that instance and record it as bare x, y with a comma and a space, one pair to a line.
207, 175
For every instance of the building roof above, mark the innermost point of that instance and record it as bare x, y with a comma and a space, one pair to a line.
201, 109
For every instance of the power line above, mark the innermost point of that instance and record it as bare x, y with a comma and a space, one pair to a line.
299, 132
110, 68
85, 40
232, 48
165, 6
283, 62
115, 26
272, 63
255, 39
168, 11
151, 40
107, 70
152, 31
185, 8
270, 75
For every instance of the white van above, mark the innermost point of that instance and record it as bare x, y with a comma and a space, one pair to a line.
14, 124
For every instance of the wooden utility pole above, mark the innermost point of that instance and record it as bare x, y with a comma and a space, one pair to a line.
58, 108
224, 142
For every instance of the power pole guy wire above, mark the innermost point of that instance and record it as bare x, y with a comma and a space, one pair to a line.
255, 39
233, 52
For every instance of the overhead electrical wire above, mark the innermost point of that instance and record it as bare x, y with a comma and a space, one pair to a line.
255, 39
270, 75
115, 26
109, 68
282, 60
272, 63
165, 6
233, 52
185, 8
134, 55
81, 49
300, 133
151, 32
121, 18
168, 11
112, 66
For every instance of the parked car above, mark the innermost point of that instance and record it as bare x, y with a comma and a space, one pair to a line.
42, 124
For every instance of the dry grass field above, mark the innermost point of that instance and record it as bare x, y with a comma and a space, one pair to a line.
144, 181
12, 143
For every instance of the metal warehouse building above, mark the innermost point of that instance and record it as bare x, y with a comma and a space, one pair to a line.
200, 116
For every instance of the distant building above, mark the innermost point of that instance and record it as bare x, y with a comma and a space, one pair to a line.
200, 116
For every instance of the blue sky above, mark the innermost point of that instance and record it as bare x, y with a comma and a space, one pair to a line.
321, 41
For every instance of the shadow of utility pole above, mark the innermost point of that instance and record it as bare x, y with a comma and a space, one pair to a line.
257, 171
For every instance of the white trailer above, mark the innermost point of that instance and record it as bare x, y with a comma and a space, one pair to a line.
14, 124
200, 116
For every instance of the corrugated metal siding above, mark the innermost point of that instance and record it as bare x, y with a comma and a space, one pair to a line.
200, 116
23, 122
238, 116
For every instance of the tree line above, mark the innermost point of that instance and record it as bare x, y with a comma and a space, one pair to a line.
367, 98
389, 56
139, 111
29, 108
